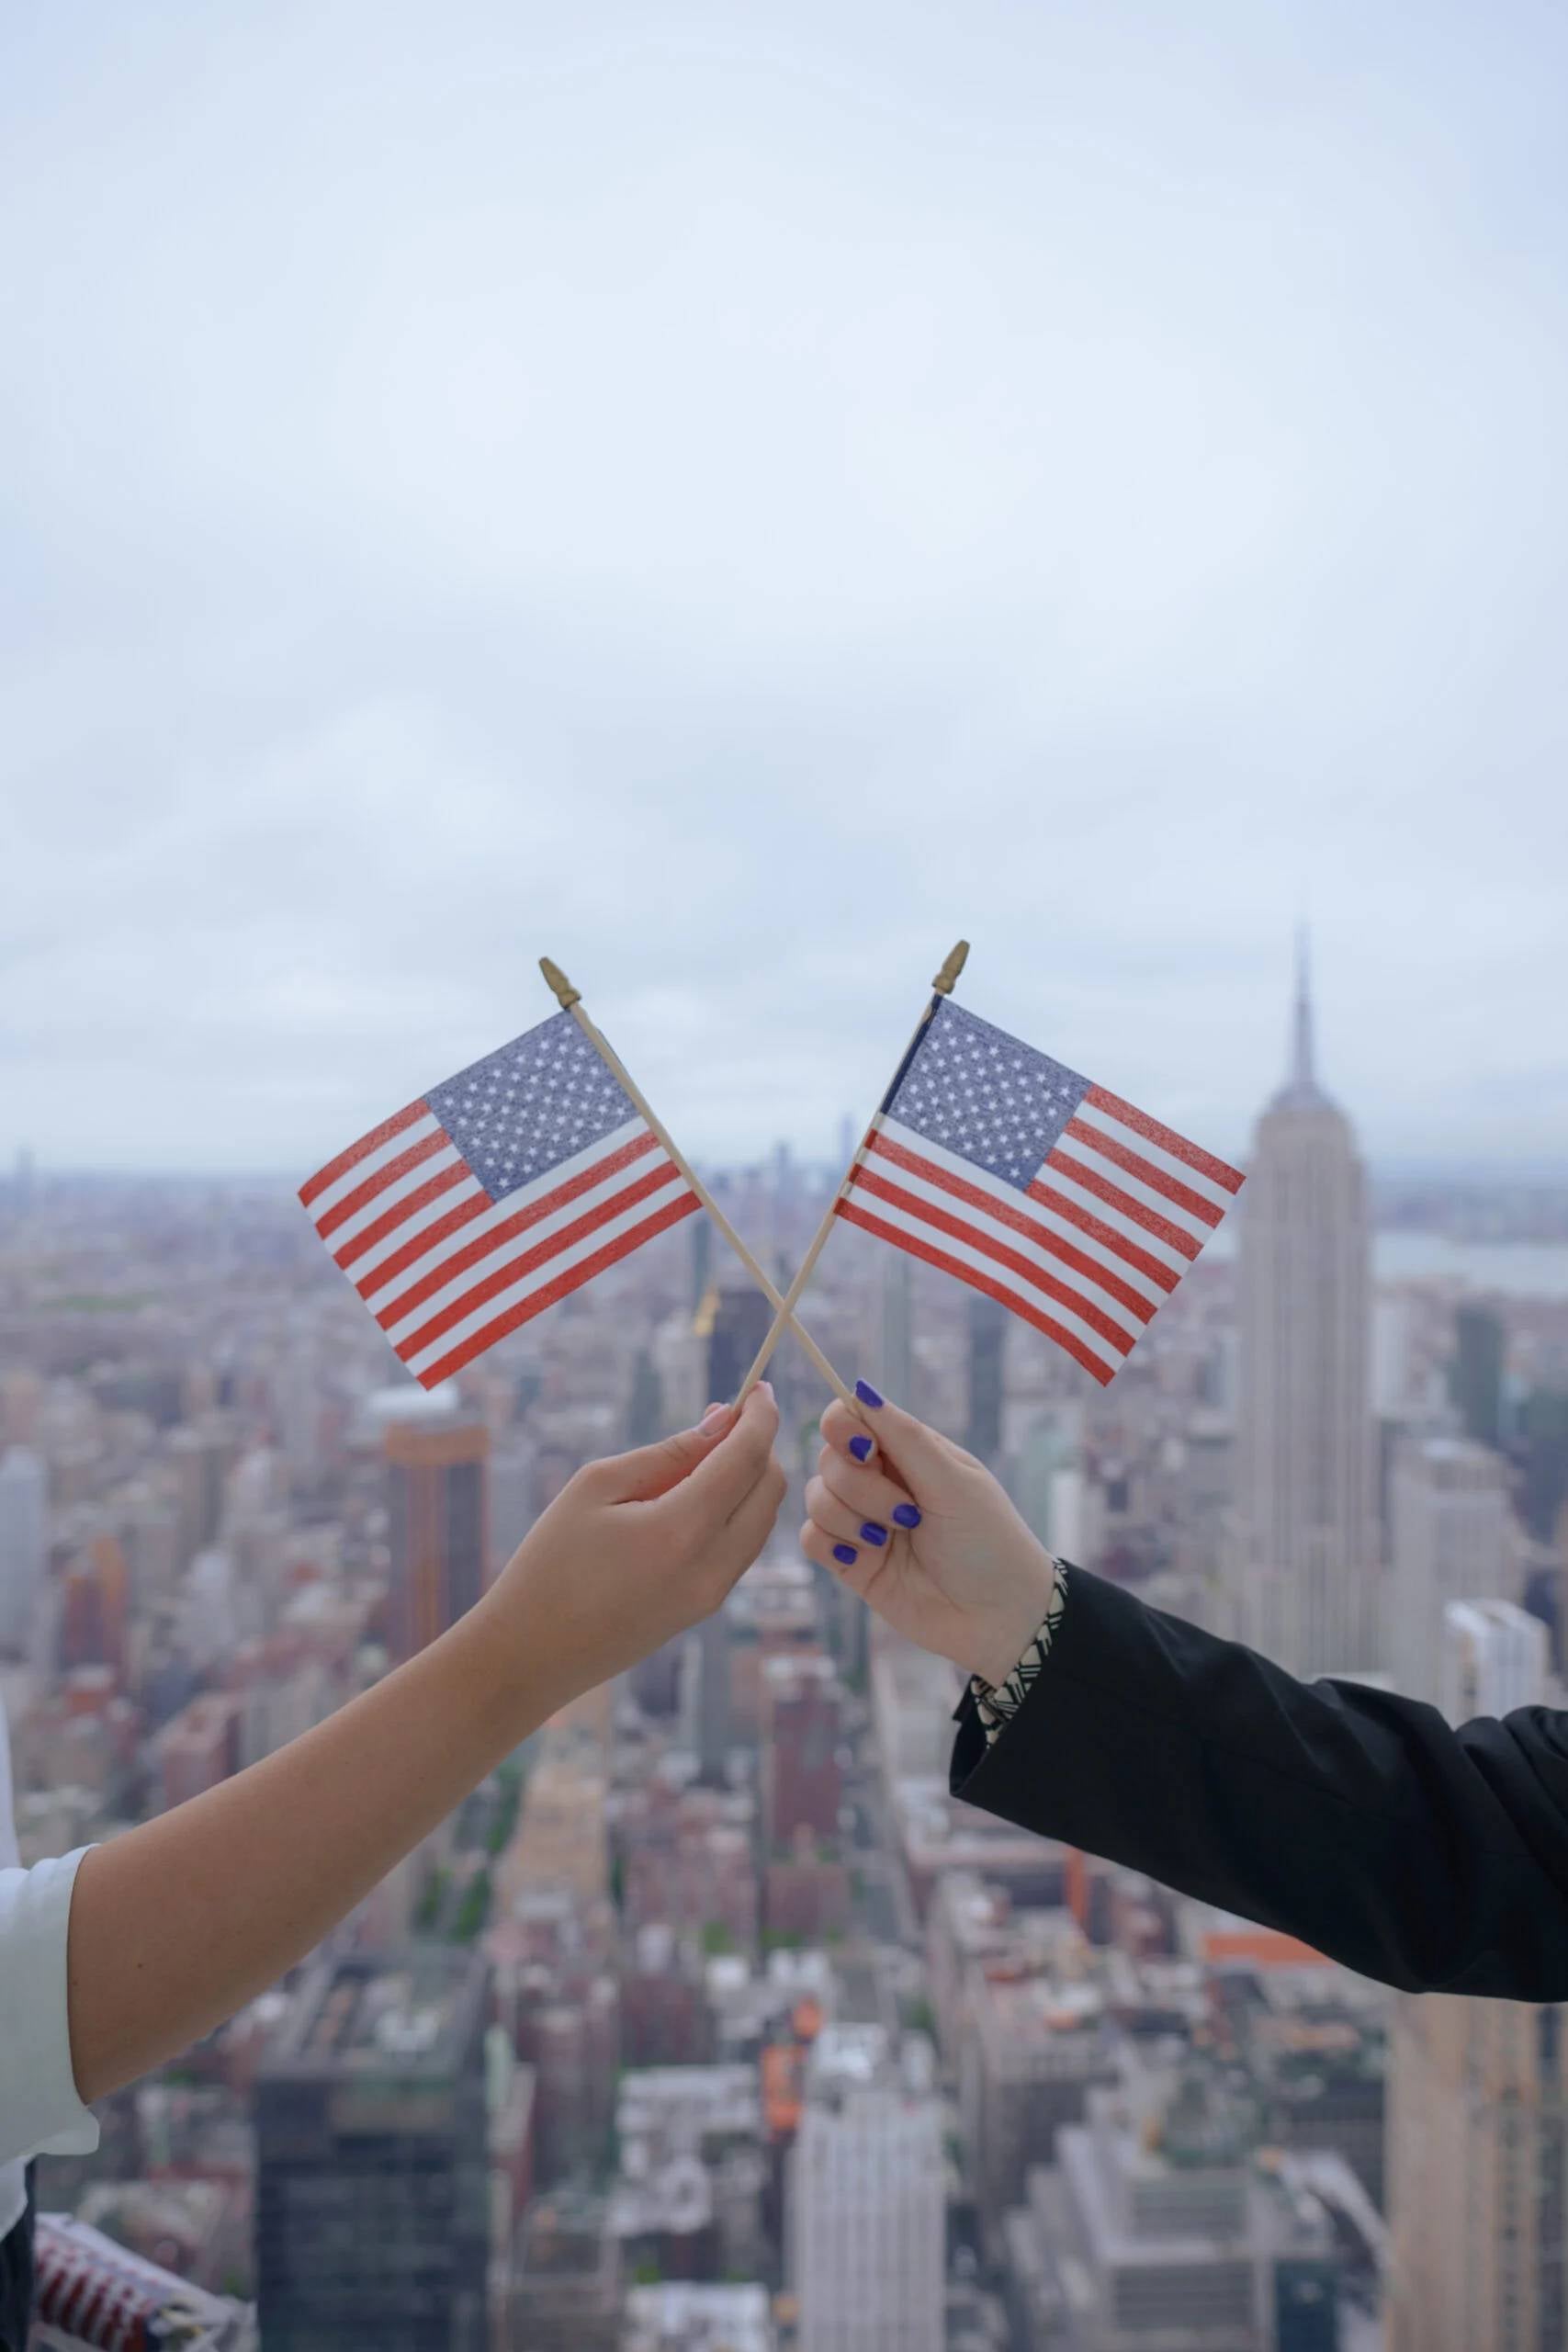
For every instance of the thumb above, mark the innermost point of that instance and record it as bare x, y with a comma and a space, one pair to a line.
911, 1452
651, 1470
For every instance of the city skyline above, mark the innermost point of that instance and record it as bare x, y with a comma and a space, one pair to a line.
770, 2010
814, 1146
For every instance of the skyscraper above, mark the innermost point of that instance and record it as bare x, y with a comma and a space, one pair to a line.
1478, 2175
739, 1324
1495, 1657
987, 1341
702, 1258
898, 1328
567, 2288
436, 1508
802, 1784
711, 1640
1304, 1560
866, 2199
1449, 1528
23, 1550
372, 2185
1476, 1378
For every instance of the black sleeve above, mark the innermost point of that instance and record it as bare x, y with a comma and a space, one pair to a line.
1432, 1858
17, 2277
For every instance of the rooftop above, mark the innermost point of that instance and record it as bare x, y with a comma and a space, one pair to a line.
412, 2012
679, 2317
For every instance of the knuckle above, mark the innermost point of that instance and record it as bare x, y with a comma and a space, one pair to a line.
856, 1489
588, 1484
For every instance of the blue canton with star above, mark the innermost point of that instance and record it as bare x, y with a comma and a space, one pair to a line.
530, 1105
985, 1095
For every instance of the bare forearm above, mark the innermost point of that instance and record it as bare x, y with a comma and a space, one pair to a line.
179, 1922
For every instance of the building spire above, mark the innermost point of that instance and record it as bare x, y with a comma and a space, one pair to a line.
1302, 1072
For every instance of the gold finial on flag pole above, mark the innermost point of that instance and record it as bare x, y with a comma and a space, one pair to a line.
951, 968
568, 995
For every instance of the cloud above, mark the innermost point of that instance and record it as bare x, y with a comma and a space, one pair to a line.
732, 506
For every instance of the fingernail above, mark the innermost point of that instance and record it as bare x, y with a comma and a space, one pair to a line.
845, 1553
767, 1388
905, 1514
860, 1448
873, 1533
711, 1415
866, 1392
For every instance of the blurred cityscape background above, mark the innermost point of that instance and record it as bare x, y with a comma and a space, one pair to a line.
732, 498
712, 2023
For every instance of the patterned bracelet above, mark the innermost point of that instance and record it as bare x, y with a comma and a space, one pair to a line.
995, 1703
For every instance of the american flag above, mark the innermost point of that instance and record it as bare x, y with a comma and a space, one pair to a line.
1030, 1182
493, 1195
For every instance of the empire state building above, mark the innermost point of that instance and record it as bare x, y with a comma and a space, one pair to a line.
1305, 1579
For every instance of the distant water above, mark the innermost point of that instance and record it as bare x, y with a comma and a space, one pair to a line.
1523, 1269
1518, 1268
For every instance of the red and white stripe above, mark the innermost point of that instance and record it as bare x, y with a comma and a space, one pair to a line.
446, 1270
1118, 1211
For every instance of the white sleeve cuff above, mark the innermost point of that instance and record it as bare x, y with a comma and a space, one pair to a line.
40, 2114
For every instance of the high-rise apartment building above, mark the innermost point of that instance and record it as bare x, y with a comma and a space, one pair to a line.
865, 2203
802, 1782
988, 1351
702, 1232
710, 1643
1478, 2175
512, 1476
567, 2292
437, 1512
1030, 2047
1477, 1374
898, 1328
1449, 1535
372, 2160
199, 1457
1304, 1572
24, 1549
738, 1321
1495, 1657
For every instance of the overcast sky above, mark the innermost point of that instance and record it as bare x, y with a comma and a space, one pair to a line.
733, 497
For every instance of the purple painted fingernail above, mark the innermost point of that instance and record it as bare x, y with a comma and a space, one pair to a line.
845, 1553
905, 1514
866, 1392
860, 1448
873, 1533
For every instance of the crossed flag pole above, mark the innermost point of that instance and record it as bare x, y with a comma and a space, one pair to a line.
570, 1000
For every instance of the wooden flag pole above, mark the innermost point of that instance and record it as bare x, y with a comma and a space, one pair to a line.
570, 1000
943, 984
